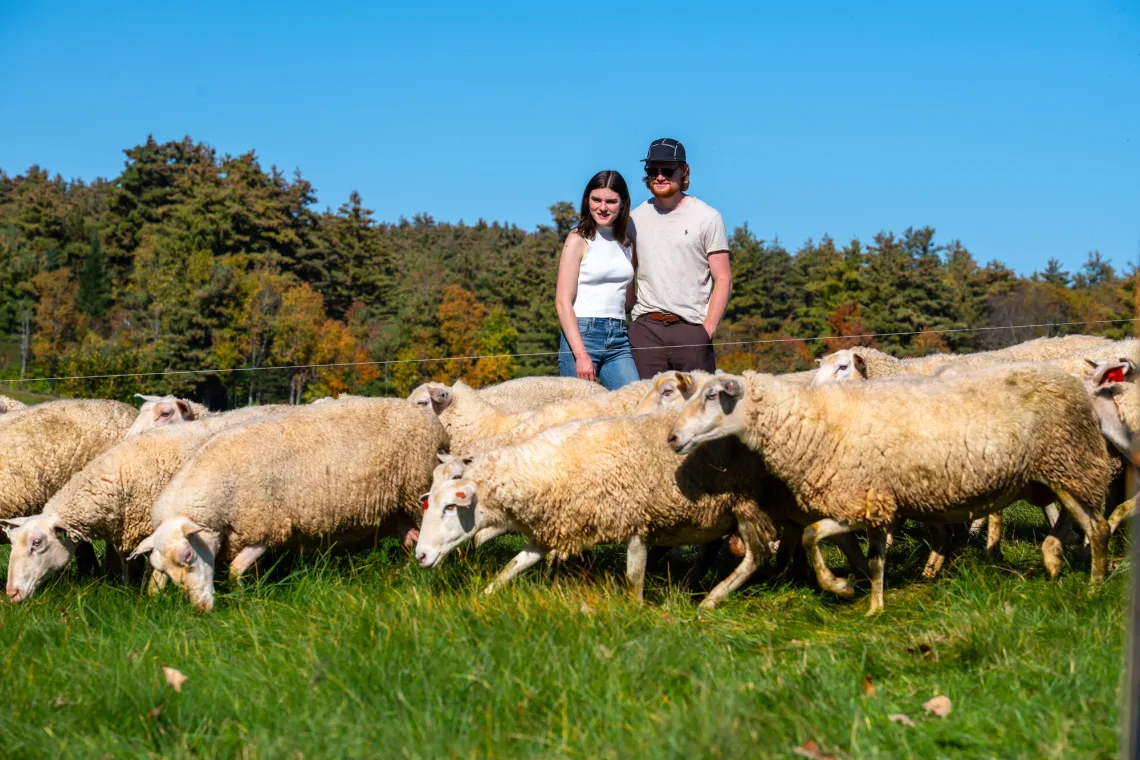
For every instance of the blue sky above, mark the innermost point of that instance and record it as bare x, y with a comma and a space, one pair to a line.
1012, 126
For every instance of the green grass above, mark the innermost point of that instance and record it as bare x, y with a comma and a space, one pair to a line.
369, 656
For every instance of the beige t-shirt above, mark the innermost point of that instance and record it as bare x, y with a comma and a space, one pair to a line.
673, 257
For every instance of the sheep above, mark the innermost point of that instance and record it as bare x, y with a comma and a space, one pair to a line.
1116, 398
863, 363
158, 411
341, 397
346, 472
110, 499
602, 480
10, 405
529, 394
42, 446
949, 449
474, 425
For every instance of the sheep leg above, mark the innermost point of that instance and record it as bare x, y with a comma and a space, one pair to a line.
530, 555
706, 555
486, 534
939, 548
85, 559
790, 538
636, 557
754, 550
856, 562
1121, 513
877, 560
994, 524
1051, 548
1094, 525
815, 533
244, 560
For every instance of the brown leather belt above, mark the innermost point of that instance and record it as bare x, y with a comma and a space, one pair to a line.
662, 316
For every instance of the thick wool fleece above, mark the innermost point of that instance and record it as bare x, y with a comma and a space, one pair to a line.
917, 447
324, 471
606, 480
111, 498
41, 447
529, 394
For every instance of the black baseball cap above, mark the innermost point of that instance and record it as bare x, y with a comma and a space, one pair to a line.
666, 150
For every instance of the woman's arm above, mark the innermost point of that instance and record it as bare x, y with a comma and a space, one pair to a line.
564, 293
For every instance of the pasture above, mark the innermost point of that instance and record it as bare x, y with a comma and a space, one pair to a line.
367, 655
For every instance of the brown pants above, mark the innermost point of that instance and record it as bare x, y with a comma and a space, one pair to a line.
680, 346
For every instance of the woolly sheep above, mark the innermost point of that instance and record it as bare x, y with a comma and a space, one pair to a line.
529, 394
346, 472
158, 411
1116, 398
110, 499
949, 449
10, 405
603, 480
42, 446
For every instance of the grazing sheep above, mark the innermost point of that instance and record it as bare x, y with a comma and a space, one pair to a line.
604, 480
529, 394
110, 499
346, 472
159, 411
949, 449
42, 446
10, 405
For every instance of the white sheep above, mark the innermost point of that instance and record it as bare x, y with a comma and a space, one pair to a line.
110, 500
159, 411
10, 405
604, 480
948, 450
344, 472
529, 394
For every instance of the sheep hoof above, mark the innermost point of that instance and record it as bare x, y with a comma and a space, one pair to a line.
843, 588
707, 604
489, 590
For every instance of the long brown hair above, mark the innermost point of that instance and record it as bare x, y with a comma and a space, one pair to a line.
610, 180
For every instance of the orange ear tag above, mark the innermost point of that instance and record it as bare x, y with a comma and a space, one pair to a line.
1115, 376
425, 503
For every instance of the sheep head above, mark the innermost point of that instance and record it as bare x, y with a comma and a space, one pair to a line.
840, 367
709, 414
185, 552
451, 517
670, 390
434, 396
41, 546
159, 411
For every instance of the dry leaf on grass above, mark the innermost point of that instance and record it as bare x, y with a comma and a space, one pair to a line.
174, 677
900, 718
60, 701
813, 751
154, 712
939, 706
868, 686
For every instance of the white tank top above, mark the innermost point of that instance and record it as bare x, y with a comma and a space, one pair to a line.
604, 274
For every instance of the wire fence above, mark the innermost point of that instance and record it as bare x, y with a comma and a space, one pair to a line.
476, 357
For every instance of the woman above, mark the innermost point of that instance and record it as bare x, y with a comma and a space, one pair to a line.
595, 287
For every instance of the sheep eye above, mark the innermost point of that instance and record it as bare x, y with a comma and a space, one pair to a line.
667, 392
711, 395
37, 543
448, 507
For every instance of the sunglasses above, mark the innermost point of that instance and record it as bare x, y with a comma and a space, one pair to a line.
664, 171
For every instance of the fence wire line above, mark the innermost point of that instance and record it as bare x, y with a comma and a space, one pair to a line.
385, 362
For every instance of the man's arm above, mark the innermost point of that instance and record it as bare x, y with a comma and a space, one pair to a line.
721, 271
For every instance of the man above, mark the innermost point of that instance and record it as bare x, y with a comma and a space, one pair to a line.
683, 275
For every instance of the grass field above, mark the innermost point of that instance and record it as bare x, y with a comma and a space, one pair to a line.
369, 656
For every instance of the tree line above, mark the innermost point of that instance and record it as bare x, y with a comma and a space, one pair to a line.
190, 260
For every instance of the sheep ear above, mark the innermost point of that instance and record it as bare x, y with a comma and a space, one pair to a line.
12, 523
184, 409
147, 398
1092, 363
190, 529
1113, 372
67, 533
146, 546
464, 496
860, 365
685, 380
819, 362
443, 456
468, 459
733, 387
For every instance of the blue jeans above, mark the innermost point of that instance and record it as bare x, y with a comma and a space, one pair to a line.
607, 343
